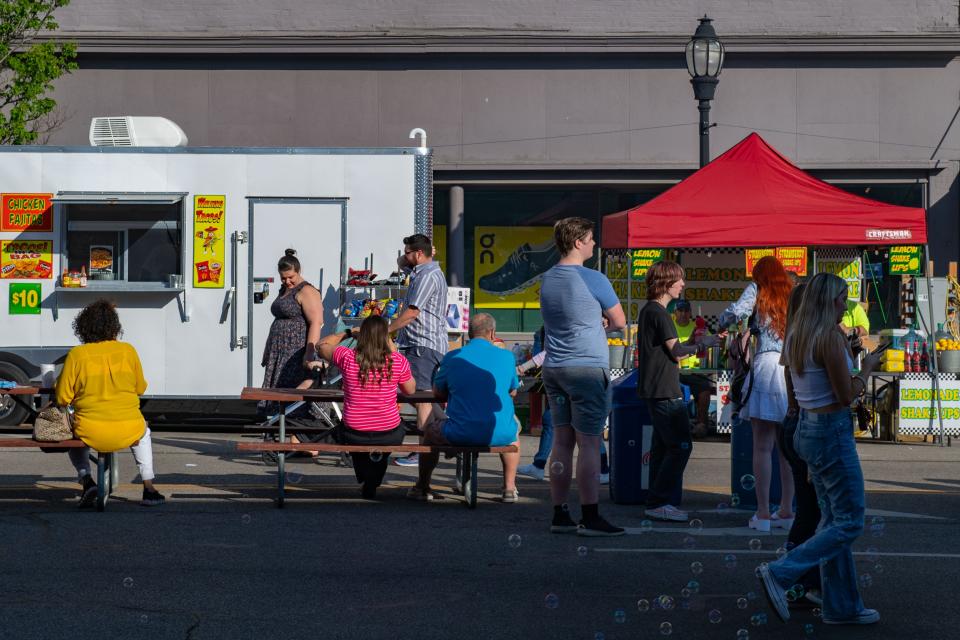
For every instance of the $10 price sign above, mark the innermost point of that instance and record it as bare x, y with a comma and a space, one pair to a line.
24, 298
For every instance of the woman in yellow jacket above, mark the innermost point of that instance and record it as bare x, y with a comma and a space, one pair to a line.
102, 379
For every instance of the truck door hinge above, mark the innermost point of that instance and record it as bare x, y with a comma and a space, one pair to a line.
241, 342
239, 237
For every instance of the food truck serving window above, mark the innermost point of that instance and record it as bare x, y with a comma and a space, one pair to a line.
126, 238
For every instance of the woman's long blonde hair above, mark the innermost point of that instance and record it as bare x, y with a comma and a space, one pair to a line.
815, 322
373, 351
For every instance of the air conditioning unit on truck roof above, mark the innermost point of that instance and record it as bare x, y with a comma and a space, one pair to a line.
135, 131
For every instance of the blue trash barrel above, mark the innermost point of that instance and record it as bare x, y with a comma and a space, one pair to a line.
631, 435
741, 464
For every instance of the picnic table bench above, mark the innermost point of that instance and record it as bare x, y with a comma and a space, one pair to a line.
108, 470
467, 457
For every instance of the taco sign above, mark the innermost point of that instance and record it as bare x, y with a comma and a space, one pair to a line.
26, 212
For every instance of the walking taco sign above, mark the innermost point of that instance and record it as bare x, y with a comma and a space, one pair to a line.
26, 212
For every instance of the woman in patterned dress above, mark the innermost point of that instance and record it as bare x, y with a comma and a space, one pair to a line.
295, 332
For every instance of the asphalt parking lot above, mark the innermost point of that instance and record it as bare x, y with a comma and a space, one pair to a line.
220, 561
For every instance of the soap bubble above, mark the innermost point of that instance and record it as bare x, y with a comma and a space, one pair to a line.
878, 568
714, 616
666, 602
514, 540
144, 619
748, 482
245, 518
734, 500
755, 544
877, 527
808, 629
730, 561
556, 469
646, 526
790, 595
693, 586
873, 554
758, 619
722, 507
128, 582
816, 612
631, 443
742, 603
822, 504
696, 568
743, 634
643, 605
697, 525
376, 456
293, 477
781, 551
666, 629
866, 581
582, 551
685, 593
619, 616
788, 546
689, 542
552, 601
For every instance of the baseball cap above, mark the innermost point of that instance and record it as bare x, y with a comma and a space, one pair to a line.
682, 305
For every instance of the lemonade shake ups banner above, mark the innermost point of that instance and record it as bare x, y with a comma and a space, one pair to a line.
509, 263
26, 259
905, 261
848, 269
209, 229
23, 212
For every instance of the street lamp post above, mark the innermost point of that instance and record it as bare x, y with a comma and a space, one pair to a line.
704, 63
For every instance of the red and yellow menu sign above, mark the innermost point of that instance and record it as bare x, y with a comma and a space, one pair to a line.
26, 259
792, 258
209, 229
26, 212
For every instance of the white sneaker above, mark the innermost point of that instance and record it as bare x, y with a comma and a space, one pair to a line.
667, 512
760, 524
604, 478
774, 592
531, 471
780, 523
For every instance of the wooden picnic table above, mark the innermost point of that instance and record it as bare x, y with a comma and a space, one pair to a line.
467, 457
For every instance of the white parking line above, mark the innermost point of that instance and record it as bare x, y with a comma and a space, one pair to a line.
762, 552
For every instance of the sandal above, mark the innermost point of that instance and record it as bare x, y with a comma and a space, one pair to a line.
760, 524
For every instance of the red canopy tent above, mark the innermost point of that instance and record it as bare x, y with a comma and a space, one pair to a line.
751, 196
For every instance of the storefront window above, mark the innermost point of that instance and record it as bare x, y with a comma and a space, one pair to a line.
124, 241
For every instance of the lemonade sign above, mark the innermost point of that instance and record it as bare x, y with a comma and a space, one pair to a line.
905, 260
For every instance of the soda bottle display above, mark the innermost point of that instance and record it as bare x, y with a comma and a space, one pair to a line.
916, 358
924, 359
908, 357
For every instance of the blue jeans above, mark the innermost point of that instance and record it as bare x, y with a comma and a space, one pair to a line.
546, 444
825, 442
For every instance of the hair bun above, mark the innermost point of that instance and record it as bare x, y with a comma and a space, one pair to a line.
290, 252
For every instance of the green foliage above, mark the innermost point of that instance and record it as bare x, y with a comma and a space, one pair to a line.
28, 67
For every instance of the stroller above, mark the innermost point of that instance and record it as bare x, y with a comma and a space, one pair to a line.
319, 425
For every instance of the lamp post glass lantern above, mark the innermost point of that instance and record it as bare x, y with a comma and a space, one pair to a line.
704, 63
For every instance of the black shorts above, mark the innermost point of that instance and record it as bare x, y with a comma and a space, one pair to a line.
697, 383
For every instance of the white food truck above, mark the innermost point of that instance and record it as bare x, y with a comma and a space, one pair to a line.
185, 241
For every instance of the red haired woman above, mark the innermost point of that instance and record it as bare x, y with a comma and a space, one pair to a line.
764, 301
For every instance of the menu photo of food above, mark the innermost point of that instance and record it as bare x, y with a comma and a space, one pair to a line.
101, 262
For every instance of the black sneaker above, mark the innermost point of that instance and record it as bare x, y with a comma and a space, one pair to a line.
598, 528
563, 523
368, 491
152, 498
524, 267
88, 495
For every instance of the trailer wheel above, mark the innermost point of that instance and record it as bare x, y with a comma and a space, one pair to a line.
11, 413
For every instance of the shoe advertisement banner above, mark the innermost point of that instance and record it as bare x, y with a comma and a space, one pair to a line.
209, 228
509, 263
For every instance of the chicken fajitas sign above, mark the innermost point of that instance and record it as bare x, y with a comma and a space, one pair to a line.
26, 212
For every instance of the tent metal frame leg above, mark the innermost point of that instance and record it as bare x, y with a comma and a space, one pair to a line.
935, 402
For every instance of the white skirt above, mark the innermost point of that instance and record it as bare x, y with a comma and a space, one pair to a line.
768, 395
